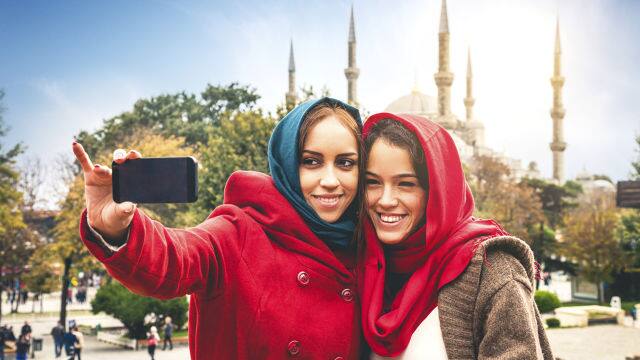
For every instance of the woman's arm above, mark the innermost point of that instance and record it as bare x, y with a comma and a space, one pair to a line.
510, 325
164, 262
507, 317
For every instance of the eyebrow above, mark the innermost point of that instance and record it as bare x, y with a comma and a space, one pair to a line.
395, 176
320, 154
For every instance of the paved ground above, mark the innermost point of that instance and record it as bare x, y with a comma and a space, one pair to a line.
602, 342
599, 342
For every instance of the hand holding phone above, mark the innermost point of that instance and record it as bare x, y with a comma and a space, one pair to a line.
109, 218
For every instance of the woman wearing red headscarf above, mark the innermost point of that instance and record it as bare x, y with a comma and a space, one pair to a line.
438, 283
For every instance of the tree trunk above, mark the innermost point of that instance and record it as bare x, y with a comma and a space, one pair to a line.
41, 303
63, 294
601, 292
33, 303
17, 301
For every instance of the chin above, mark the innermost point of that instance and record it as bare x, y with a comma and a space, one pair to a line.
330, 218
390, 238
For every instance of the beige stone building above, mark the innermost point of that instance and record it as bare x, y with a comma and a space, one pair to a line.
468, 131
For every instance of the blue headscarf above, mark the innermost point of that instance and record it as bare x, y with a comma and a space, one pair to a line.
284, 161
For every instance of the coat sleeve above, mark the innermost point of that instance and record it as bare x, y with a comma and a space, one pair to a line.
163, 262
511, 326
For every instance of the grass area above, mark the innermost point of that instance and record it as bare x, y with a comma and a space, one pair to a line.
181, 333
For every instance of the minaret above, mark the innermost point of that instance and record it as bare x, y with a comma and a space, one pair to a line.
557, 113
469, 100
290, 96
444, 78
352, 72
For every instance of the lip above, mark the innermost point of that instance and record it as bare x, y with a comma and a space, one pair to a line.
327, 201
390, 221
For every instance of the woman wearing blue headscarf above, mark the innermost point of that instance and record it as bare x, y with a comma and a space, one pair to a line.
271, 270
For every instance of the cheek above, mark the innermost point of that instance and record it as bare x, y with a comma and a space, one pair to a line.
306, 180
349, 180
372, 196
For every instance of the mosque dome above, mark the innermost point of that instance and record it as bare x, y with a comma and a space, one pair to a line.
415, 103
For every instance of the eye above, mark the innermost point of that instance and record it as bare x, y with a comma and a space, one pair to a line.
346, 163
407, 184
310, 162
372, 182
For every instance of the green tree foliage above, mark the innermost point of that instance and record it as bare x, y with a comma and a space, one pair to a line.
131, 309
556, 199
629, 235
498, 196
16, 240
239, 143
636, 164
590, 238
182, 115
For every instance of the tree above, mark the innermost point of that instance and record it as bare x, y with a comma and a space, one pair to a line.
131, 309
239, 143
636, 164
182, 115
590, 239
42, 276
556, 199
514, 205
15, 247
67, 247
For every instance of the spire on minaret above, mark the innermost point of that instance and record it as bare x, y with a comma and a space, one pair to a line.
444, 78
290, 97
557, 113
469, 100
292, 63
444, 19
352, 28
352, 72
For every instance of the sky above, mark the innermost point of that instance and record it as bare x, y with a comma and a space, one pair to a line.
65, 66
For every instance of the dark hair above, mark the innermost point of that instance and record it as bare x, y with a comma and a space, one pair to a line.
394, 133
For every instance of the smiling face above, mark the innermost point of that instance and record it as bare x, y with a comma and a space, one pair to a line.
396, 202
329, 168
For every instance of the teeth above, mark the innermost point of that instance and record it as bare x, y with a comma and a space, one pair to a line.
390, 218
329, 201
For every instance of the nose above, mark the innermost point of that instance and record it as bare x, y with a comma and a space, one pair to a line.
329, 179
388, 198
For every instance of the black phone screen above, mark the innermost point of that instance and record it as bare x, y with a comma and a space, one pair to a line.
155, 180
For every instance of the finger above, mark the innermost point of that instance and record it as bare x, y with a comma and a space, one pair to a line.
119, 155
102, 170
134, 154
82, 156
125, 209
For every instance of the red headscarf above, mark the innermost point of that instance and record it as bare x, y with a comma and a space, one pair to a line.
436, 254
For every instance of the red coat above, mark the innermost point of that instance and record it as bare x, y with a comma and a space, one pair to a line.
262, 284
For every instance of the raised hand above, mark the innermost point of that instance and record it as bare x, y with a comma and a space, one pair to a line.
106, 216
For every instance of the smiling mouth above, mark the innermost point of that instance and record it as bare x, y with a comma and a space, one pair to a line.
327, 200
390, 218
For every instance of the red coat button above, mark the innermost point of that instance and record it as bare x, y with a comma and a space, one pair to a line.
303, 278
294, 348
339, 358
347, 295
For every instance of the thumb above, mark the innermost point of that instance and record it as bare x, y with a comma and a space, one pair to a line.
125, 209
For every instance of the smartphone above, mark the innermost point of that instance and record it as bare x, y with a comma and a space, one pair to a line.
155, 180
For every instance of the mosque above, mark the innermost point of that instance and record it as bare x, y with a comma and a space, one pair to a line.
468, 132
